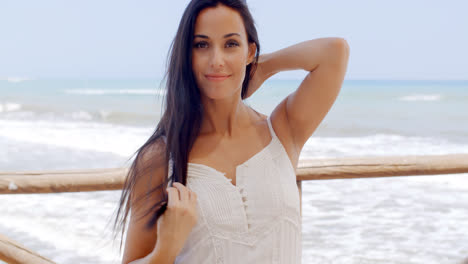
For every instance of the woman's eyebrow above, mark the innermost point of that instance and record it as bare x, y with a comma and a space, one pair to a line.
226, 36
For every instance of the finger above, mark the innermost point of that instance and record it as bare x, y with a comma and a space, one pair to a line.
173, 196
183, 191
190, 194
193, 195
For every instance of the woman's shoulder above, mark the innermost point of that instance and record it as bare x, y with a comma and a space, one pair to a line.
154, 150
152, 156
260, 115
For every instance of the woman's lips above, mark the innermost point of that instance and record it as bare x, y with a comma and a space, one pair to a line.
217, 78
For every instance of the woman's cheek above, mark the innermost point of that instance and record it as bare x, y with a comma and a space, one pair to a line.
241, 74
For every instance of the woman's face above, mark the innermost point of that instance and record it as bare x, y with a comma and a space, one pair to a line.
220, 52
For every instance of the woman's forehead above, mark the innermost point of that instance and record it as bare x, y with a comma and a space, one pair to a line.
219, 21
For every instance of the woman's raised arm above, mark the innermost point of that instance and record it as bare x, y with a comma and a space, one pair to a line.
326, 60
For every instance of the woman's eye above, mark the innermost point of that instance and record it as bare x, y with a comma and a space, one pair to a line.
231, 44
204, 44
199, 44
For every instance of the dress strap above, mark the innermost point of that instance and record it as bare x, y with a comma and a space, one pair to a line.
169, 168
272, 132
170, 163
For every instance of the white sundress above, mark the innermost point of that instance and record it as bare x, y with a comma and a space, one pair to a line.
257, 221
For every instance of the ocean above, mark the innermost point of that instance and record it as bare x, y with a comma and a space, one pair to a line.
76, 124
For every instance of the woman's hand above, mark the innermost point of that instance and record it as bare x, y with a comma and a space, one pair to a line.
260, 76
178, 220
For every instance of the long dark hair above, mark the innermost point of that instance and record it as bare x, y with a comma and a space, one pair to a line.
180, 123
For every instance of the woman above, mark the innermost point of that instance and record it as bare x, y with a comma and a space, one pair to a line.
234, 197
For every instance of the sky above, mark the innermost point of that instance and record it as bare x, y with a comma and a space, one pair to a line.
104, 39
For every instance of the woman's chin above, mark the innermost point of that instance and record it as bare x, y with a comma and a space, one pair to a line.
217, 96
221, 92
220, 95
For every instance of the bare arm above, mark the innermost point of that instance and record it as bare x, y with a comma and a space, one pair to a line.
306, 55
141, 244
166, 239
326, 60
156, 257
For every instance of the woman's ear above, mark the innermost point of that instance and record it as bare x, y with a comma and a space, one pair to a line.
252, 51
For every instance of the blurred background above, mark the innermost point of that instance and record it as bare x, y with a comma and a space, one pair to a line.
81, 87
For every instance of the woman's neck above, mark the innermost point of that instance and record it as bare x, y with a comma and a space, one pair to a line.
225, 118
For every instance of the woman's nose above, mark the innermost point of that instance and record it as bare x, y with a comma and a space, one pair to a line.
217, 58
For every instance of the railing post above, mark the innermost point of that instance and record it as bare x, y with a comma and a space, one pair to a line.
15, 253
299, 186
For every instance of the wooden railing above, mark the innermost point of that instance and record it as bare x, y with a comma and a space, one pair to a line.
316, 169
